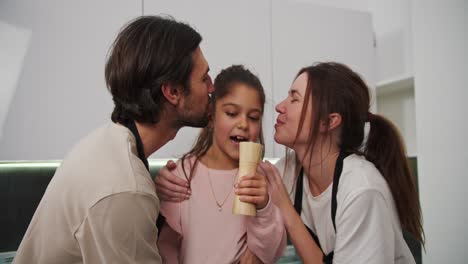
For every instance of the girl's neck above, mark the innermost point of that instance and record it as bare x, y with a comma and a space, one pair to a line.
319, 166
215, 159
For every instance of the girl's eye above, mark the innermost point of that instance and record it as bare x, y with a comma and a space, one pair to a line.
254, 118
232, 114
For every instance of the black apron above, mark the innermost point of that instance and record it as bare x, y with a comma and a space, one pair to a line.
327, 259
130, 124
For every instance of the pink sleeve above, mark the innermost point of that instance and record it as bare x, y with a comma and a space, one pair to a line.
170, 236
266, 235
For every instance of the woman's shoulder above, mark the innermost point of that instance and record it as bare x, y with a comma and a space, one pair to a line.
356, 162
359, 176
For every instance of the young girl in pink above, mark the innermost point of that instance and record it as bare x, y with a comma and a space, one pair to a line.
203, 229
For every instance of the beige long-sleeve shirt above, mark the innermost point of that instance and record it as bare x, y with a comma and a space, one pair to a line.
100, 207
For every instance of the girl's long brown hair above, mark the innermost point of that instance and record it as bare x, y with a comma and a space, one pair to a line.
335, 88
226, 80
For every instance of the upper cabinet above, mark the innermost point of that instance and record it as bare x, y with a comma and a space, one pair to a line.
60, 93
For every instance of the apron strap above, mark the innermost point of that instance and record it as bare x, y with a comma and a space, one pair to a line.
130, 124
327, 259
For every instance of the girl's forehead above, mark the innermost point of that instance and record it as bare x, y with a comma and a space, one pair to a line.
241, 95
240, 92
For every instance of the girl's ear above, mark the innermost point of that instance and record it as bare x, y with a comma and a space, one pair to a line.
334, 121
172, 93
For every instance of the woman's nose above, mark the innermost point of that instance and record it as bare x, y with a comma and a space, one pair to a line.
280, 107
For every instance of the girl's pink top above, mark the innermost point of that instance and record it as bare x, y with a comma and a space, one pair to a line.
196, 231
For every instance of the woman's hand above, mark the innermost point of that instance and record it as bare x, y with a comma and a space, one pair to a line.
169, 187
303, 242
279, 194
249, 258
253, 189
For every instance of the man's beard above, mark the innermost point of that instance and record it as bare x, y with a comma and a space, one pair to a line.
193, 120
190, 118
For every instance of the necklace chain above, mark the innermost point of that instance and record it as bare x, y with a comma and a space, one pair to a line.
220, 205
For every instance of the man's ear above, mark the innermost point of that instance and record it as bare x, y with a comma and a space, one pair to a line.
334, 121
172, 93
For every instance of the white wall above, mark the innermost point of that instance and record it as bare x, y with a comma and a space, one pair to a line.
14, 43
441, 78
60, 95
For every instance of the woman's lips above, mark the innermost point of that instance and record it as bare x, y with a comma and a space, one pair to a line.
278, 123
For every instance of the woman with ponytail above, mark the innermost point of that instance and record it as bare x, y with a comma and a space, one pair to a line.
344, 198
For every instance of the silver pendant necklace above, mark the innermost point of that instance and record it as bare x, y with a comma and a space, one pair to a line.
218, 204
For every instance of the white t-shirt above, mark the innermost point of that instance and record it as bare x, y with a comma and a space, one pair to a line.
100, 207
367, 224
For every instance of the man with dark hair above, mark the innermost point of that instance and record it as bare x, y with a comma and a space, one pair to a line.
101, 205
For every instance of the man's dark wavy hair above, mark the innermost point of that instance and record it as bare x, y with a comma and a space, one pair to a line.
148, 52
